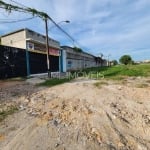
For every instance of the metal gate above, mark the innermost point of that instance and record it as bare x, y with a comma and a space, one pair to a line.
13, 62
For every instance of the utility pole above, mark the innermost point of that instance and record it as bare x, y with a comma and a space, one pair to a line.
9, 7
47, 49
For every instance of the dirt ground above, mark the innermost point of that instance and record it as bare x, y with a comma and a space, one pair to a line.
79, 115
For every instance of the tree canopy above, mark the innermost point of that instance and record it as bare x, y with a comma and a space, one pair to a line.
115, 62
126, 59
77, 49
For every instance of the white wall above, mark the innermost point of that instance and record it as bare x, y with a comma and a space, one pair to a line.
17, 39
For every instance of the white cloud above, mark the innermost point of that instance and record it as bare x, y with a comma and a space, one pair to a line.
108, 26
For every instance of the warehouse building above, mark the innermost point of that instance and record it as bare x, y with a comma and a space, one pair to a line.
75, 60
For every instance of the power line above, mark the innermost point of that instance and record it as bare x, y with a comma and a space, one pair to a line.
14, 21
34, 12
18, 3
61, 29
9, 7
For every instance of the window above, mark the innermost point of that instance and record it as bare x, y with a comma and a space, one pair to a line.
30, 46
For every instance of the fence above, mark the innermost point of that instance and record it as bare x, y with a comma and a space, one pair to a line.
13, 62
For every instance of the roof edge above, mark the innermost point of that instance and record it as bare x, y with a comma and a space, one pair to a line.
22, 29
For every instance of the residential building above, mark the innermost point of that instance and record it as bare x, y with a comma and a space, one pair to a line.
34, 44
31, 40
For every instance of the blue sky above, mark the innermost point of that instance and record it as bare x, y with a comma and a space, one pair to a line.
110, 27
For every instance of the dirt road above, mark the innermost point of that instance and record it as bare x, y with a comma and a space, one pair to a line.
80, 115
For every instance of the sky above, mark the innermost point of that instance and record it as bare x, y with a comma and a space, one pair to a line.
109, 27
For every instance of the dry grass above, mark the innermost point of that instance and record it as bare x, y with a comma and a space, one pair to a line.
100, 84
142, 85
5, 112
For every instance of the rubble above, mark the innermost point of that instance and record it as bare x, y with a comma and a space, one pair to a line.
74, 116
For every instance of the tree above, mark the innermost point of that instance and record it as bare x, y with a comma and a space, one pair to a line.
77, 49
115, 62
126, 59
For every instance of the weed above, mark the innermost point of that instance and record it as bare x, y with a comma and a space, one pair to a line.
10, 110
142, 85
99, 84
119, 72
54, 81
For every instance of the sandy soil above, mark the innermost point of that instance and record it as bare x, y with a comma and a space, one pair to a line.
80, 115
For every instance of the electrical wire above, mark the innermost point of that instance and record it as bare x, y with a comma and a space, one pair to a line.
19, 10
50, 20
61, 28
14, 21
18, 3
34, 12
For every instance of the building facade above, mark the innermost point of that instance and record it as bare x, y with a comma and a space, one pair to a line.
36, 53
62, 59
73, 60
33, 41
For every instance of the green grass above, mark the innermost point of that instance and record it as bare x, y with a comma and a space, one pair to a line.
4, 113
121, 71
118, 72
54, 81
